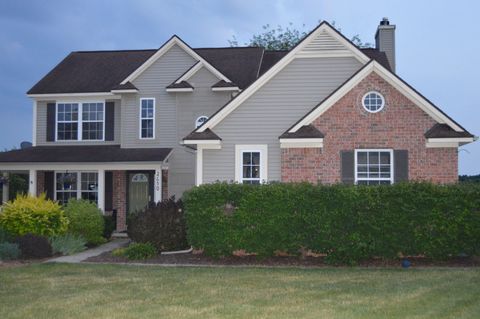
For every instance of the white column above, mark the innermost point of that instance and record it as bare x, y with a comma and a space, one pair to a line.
5, 189
101, 189
32, 182
157, 185
199, 166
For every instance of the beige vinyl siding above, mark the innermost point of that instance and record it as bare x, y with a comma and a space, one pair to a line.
275, 107
202, 101
151, 84
42, 126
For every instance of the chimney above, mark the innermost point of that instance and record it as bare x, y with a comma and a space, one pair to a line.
385, 41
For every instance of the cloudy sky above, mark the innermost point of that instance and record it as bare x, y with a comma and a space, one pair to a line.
437, 45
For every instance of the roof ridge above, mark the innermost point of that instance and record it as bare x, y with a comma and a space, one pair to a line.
222, 48
101, 51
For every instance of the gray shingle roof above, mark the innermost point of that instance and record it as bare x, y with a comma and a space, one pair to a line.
205, 135
445, 131
92, 153
306, 131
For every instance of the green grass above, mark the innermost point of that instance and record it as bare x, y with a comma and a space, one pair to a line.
111, 291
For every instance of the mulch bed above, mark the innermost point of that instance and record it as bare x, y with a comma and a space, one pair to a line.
202, 260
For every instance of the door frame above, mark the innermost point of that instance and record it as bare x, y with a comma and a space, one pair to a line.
151, 185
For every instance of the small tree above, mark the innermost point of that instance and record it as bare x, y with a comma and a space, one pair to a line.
285, 38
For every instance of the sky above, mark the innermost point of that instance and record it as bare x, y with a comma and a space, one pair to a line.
437, 43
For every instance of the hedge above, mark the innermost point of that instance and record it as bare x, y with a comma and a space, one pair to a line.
347, 223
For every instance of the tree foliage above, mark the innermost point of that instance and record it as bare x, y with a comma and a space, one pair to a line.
285, 38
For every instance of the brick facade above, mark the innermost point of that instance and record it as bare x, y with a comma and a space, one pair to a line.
40, 182
120, 198
348, 126
164, 184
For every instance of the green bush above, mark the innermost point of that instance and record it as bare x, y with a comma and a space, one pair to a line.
68, 244
5, 237
137, 251
86, 220
347, 223
162, 225
109, 227
9, 251
33, 215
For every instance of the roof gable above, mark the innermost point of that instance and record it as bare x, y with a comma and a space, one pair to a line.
373, 66
297, 52
165, 48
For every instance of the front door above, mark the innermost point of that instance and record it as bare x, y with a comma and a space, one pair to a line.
139, 190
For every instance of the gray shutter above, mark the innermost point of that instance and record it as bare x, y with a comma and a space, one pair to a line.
347, 170
109, 121
108, 191
49, 185
400, 166
51, 109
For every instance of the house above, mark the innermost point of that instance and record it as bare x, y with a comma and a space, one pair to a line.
126, 127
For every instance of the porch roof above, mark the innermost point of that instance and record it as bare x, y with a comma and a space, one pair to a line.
84, 153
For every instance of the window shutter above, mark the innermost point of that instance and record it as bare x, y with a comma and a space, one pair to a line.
49, 185
400, 159
51, 109
347, 170
108, 191
109, 121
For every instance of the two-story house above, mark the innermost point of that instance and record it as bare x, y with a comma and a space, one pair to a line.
123, 128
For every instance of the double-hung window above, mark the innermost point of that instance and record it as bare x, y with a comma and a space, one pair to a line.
147, 118
78, 185
80, 121
373, 167
251, 164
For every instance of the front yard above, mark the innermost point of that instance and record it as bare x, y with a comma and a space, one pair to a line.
118, 291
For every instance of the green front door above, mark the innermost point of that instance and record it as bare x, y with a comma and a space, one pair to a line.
139, 190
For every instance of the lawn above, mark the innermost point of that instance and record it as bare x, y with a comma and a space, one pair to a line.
118, 291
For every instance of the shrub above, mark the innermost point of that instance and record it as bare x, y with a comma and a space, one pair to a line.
33, 246
33, 215
347, 223
162, 225
137, 251
68, 244
5, 237
110, 226
9, 251
86, 220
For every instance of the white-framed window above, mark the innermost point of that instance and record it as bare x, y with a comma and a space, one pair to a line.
374, 166
80, 121
200, 120
373, 102
147, 118
251, 164
79, 185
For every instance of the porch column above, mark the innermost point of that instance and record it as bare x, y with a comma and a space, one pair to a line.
101, 190
32, 182
157, 186
5, 189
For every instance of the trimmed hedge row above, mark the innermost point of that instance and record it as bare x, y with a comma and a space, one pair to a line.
347, 223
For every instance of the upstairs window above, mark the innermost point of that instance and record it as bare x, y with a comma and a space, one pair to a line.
200, 120
80, 121
147, 118
373, 102
373, 167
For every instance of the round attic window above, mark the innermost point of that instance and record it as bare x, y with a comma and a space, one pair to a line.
373, 102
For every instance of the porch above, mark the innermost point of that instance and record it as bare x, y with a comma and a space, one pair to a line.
120, 182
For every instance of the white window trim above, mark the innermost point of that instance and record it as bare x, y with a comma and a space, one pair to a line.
392, 162
262, 149
381, 97
198, 118
141, 118
79, 121
79, 184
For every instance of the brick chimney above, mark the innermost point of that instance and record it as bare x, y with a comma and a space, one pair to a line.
385, 41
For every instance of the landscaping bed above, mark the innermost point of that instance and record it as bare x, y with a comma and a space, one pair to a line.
203, 260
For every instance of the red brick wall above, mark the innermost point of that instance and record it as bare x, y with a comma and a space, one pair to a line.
164, 184
40, 182
348, 126
120, 198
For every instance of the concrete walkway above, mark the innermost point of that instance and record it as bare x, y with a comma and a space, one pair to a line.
77, 258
